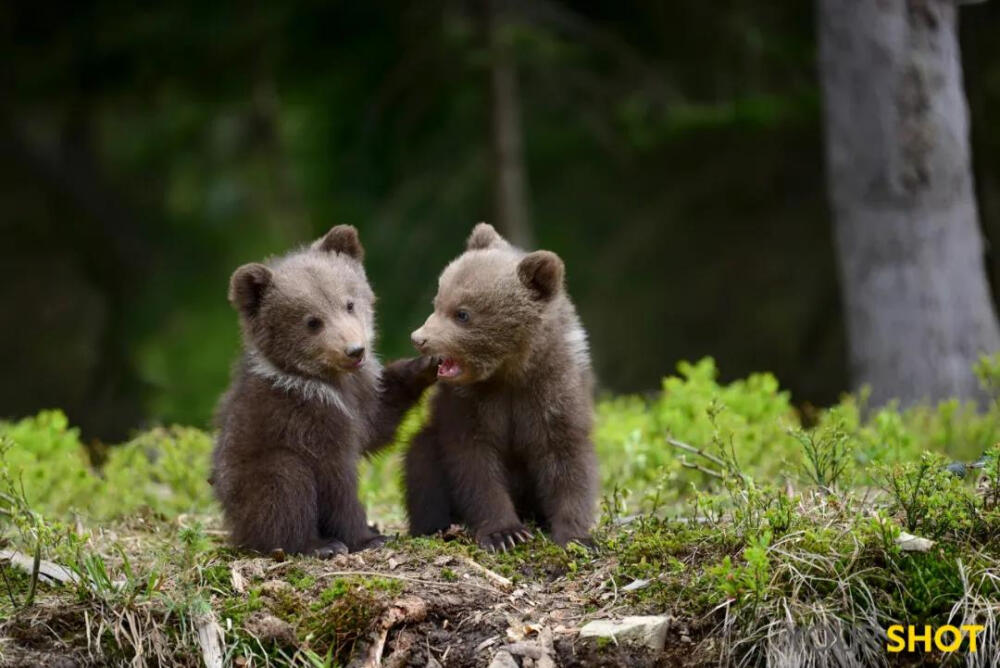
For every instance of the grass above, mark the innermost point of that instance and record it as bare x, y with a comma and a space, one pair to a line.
770, 535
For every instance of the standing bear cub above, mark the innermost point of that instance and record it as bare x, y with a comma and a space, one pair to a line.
508, 439
306, 400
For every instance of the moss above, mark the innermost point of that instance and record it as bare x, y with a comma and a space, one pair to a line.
539, 559
217, 576
239, 607
300, 579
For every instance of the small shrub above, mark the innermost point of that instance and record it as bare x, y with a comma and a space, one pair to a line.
165, 470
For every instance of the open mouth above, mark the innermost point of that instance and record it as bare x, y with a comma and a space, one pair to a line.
449, 368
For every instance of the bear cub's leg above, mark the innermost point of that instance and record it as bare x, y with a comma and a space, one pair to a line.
566, 485
480, 490
427, 499
283, 513
342, 515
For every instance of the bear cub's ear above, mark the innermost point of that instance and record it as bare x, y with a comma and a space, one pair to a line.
342, 239
484, 236
247, 288
542, 272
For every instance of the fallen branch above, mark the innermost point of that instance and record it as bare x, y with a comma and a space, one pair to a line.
47, 570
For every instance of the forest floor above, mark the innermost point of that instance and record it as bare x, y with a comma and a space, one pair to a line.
169, 592
162, 593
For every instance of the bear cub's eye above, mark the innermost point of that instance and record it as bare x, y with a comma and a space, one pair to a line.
314, 324
462, 315
350, 307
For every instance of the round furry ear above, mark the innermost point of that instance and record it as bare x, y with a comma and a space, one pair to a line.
342, 239
247, 287
542, 272
484, 236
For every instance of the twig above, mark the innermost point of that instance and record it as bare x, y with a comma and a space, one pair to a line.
614, 600
500, 580
696, 451
393, 576
698, 467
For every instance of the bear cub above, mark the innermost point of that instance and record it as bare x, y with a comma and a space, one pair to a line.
306, 400
508, 440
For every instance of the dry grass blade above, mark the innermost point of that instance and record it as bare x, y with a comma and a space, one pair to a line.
979, 606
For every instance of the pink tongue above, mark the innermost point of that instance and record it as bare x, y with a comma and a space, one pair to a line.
449, 368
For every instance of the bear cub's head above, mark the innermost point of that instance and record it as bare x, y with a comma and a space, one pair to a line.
489, 309
309, 313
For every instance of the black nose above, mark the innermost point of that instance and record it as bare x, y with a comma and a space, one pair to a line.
355, 351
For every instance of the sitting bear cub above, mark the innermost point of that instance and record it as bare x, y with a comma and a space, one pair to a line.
509, 433
306, 400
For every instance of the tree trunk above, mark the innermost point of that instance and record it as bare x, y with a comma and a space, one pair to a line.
509, 183
919, 311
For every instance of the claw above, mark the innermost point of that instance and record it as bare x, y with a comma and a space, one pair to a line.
511, 542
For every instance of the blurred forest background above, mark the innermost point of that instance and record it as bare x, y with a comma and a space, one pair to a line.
672, 154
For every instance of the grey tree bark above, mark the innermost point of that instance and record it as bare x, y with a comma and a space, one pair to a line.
509, 181
918, 308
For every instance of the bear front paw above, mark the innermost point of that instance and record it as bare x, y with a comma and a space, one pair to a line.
373, 543
502, 540
330, 549
426, 370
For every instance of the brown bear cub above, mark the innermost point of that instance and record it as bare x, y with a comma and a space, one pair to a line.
508, 439
306, 400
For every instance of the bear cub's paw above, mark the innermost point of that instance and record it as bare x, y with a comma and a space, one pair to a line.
501, 540
373, 543
427, 369
330, 549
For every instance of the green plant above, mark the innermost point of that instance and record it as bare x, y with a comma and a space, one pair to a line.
929, 498
827, 452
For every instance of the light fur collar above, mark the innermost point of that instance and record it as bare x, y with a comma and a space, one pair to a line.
310, 389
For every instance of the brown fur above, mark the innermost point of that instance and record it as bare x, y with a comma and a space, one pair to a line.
509, 440
301, 410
